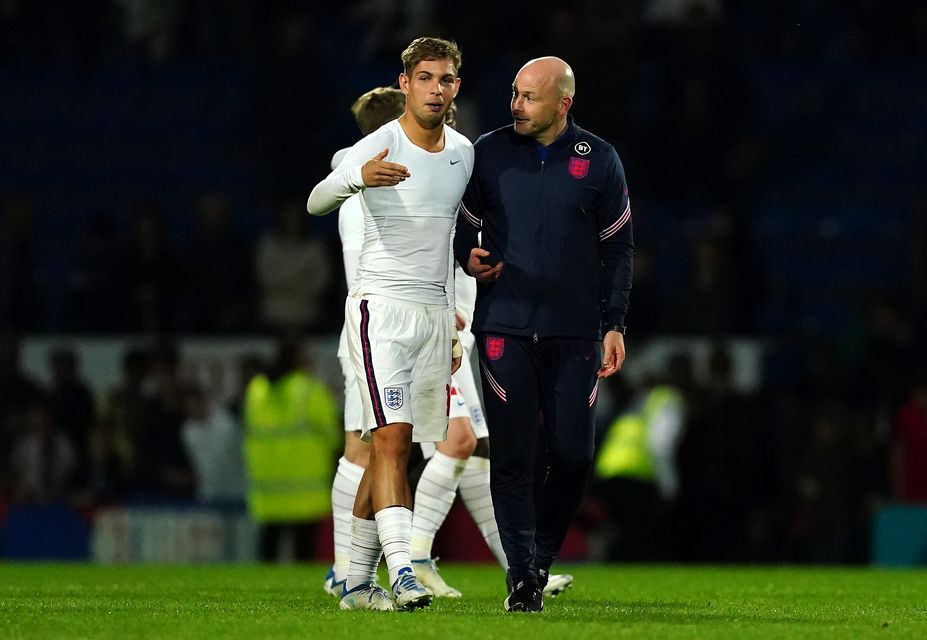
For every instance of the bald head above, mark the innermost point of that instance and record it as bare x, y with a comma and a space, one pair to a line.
542, 95
549, 72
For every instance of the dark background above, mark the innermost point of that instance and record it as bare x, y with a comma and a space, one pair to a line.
774, 153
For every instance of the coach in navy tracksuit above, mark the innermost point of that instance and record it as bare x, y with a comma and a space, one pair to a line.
554, 266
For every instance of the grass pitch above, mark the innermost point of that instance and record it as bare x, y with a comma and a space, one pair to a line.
256, 602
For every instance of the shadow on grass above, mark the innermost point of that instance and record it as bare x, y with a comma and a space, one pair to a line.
667, 612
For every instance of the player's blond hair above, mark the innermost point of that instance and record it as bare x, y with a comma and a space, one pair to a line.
376, 107
430, 49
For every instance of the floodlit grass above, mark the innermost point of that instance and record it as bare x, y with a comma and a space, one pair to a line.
256, 602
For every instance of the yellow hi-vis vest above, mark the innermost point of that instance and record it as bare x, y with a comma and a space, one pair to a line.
625, 451
291, 432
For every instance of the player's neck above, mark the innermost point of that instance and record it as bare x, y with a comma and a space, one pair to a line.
429, 139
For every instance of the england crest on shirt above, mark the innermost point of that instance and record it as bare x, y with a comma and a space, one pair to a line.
579, 167
393, 397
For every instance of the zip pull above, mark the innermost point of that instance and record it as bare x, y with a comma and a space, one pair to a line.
534, 337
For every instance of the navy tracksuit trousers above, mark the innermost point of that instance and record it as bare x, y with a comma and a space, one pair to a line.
539, 399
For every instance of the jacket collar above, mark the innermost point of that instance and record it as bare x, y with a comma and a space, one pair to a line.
567, 136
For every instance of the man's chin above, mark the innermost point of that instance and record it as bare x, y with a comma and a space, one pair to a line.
433, 120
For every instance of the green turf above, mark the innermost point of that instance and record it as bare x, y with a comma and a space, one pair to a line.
214, 602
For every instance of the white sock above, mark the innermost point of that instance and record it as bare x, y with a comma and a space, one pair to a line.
365, 552
434, 498
395, 527
474, 491
344, 490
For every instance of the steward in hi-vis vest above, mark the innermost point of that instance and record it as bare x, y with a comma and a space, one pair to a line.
292, 435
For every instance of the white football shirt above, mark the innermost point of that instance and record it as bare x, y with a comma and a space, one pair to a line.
408, 228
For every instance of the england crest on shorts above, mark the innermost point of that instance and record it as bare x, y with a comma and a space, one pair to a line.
393, 397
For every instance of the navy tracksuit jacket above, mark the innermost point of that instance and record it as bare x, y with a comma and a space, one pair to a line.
560, 219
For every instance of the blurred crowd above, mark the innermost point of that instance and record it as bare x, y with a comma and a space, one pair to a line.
161, 433
135, 280
781, 473
789, 472
154, 178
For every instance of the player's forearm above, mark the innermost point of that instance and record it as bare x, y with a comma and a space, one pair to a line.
618, 271
333, 190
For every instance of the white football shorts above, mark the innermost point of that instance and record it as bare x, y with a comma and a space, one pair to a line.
465, 399
401, 356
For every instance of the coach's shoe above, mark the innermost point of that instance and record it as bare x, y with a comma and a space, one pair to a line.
408, 592
331, 587
553, 584
427, 572
527, 596
368, 595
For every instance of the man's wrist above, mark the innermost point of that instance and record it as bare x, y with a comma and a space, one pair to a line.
620, 328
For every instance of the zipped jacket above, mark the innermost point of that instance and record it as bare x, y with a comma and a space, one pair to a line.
561, 223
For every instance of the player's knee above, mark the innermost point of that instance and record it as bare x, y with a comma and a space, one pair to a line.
360, 457
356, 451
457, 450
392, 441
460, 442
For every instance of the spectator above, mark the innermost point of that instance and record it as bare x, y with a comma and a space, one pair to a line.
721, 466
213, 443
43, 461
249, 365
291, 442
151, 28
818, 529
294, 270
17, 392
94, 307
163, 468
115, 451
72, 408
219, 277
909, 454
709, 305
635, 469
150, 270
